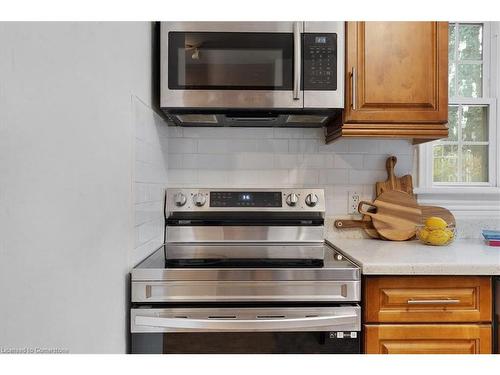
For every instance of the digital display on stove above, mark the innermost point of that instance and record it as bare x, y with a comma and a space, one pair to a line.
245, 199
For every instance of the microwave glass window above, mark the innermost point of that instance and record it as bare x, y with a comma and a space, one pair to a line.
230, 61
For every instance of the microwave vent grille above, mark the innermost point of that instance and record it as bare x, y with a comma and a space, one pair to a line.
197, 118
306, 119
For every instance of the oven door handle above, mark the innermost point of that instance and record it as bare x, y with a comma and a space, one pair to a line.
238, 325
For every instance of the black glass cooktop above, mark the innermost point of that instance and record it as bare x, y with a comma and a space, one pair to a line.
243, 263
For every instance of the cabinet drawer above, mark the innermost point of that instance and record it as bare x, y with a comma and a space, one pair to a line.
422, 299
428, 339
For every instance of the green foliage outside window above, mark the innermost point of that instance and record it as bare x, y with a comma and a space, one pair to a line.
463, 156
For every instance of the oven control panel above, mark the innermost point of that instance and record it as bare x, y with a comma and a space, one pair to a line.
245, 200
320, 61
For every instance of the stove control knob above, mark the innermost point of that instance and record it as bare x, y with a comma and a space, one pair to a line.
199, 199
180, 199
292, 199
311, 200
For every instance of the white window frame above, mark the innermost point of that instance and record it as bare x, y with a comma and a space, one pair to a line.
481, 197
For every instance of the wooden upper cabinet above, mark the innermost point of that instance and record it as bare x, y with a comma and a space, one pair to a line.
399, 71
396, 81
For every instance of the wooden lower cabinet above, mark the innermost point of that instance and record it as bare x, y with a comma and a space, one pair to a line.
427, 339
427, 314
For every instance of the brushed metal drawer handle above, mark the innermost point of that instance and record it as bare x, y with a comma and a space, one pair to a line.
447, 301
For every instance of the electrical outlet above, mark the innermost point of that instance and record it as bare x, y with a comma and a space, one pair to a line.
353, 202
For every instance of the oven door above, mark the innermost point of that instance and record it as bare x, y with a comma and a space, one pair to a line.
231, 65
329, 330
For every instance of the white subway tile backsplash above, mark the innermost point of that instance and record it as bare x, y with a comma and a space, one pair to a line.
303, 145
217, 146
253, 161
364, 146
214, 161
181, 146
289, 133
336, 206
261, 178
357, 176
342, 191
175, 131
150, 176
209, 178
314, 133
287, 160
190, 161
374, 161
175, 161
228, 132
343, 161
213, 146
272, 145
262, 157
334, 177
162, 130
317, 161
304, 177
395, 146
182, 176
404, 164
148, 231
140, 193
158, 193
338, 146
147, 212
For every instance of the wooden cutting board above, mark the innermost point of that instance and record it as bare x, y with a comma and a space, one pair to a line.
365, 223
443, 213
404, 183
396, 217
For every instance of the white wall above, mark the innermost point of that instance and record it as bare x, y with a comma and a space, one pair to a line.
267, 157
66, 172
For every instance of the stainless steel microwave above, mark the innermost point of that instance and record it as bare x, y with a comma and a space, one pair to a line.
224, 67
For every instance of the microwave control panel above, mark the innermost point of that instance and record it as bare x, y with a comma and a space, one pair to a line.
320, 61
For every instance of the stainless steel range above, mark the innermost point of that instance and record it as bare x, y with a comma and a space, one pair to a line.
245, 271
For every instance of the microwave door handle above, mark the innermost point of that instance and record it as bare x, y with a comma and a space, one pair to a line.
239, 325
297, 60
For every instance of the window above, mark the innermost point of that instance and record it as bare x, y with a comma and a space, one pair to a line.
467, 156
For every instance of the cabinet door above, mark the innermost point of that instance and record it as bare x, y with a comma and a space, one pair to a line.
397, 72
427, 339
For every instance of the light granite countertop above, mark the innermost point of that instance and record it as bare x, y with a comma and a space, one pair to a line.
462, 257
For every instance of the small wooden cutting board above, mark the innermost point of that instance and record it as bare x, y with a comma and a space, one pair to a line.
404, 183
